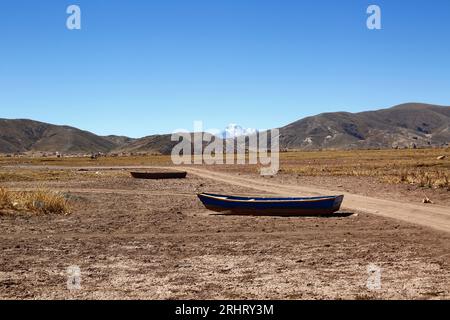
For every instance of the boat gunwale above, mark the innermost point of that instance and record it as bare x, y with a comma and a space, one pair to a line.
250, 200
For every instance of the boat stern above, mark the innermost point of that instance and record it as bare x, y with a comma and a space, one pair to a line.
338, 202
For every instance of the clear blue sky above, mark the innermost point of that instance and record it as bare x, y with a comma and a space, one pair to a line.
142, 67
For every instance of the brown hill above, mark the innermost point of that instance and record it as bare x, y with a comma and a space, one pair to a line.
27, 135
152, 144
119, 140
404, 125
161, 144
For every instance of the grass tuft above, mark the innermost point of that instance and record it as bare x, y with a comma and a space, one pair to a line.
5, 199
39, 201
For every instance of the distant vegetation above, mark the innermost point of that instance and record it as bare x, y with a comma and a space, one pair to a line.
148, 160
28, 175
416, 167
420, 167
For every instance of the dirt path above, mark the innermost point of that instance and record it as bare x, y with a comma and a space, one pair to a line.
433, 216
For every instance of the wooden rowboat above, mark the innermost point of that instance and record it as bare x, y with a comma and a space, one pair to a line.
271, 206
159, 175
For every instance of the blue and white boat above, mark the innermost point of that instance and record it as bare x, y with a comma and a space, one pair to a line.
303, 206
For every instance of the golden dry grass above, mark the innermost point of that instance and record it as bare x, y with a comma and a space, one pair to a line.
410, 166
5, 199
420, 167
39, 201
415, 167
149, 160
28, 175
35, 175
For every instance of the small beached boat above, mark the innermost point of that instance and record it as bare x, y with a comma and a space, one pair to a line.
159, 175
271, 206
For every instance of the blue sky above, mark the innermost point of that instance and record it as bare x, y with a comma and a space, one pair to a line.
143, 67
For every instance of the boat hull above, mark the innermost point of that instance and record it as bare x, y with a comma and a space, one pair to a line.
272, 206
159, 175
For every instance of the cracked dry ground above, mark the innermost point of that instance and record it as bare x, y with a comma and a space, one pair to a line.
154, 240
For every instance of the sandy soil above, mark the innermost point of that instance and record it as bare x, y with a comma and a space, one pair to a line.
154, 240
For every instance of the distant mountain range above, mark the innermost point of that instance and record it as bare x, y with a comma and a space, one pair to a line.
406, 125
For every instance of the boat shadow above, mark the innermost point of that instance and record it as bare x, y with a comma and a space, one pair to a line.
332, 215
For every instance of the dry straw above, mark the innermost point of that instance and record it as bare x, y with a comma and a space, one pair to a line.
40, 201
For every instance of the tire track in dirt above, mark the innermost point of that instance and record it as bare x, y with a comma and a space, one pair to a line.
433, 216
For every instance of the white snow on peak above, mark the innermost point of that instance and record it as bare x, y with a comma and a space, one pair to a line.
234, 130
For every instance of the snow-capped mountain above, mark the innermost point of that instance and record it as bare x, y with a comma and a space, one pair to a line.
234, 130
